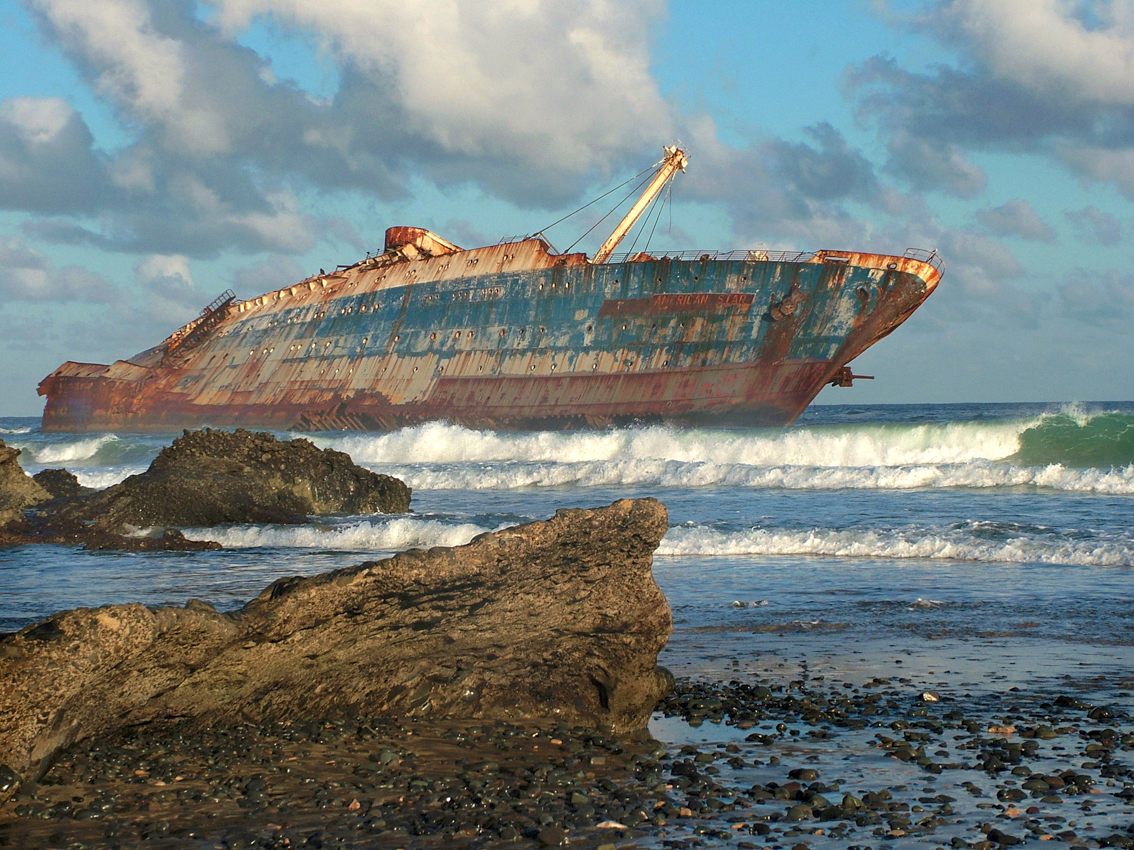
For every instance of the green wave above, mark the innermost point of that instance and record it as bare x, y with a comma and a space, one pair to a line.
1103, 440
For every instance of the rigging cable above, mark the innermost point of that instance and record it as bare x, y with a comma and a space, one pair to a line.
595, 201
631, 194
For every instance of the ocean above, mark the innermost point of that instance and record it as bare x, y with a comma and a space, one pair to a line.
887, 520
979, 557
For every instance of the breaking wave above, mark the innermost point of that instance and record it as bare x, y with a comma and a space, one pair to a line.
1068, 450
395, 535
985, 542
970, 541
71, 451
660, 473
857, 446
1074, 439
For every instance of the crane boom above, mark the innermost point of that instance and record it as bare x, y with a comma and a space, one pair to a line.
674, 160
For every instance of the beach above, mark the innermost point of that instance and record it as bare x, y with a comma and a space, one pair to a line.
892, 628
806, 742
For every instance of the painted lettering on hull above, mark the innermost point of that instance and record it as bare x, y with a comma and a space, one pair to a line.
686, 302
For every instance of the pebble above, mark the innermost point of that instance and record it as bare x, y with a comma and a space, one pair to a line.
346, 783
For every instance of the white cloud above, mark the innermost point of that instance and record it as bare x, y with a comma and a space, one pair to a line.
37, 120
157, 267
46, 160
560, 83
139, 68
1044, 45
28, 275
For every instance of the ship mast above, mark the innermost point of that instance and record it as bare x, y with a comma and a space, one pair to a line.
673, 161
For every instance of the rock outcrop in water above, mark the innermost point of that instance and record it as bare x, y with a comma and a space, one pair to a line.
60, 483
210, 477
17, 489
559, 620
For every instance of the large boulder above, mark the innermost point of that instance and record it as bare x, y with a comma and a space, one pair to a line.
210, 477
559, 620
17, 489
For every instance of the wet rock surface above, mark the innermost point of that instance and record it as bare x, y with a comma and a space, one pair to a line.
799, 764
60, 484
211, 477
17, 489
558, 620
355, 783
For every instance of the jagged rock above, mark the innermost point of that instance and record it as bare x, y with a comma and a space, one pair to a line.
558, 620
210, 477
17, 489
170, 540
60, 483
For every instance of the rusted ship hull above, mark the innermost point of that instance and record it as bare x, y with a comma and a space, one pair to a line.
509, 336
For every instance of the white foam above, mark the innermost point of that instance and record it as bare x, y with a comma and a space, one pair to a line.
101, 477
25, 430
70, 452
977, 474
395, 535
833, 446
934, 544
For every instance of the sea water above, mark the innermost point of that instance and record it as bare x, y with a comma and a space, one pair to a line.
980, 555
858, 534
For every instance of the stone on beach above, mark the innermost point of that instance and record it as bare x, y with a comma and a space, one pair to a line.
555, 621
210, 477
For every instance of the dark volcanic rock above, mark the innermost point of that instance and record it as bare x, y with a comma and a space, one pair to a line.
556, 621
170, 540
17, 489
209, 477
60, 483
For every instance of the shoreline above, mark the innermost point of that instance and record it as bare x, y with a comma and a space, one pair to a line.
788, 760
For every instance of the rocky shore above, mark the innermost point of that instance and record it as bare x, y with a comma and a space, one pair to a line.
205, 478
496, 695
758, 764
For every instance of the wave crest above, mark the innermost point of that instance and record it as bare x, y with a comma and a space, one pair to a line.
822, 446
395, 535
964, 542
71, 451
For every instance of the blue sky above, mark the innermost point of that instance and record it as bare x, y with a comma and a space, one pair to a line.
153, 154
